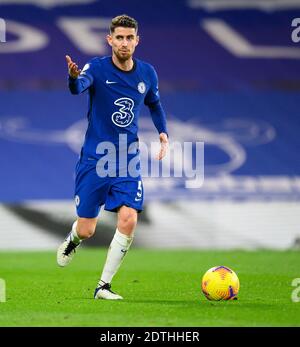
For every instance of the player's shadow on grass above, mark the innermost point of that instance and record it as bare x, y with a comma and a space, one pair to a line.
150, 302
232, 303
166, 302
196, 302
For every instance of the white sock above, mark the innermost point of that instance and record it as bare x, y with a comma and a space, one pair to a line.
116, 252
74, 236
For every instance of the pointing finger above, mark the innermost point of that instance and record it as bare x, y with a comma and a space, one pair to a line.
68, 59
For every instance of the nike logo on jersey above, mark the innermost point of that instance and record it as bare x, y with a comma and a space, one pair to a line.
110, 82
137, 199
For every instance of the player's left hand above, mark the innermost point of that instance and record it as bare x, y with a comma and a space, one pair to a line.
164, 143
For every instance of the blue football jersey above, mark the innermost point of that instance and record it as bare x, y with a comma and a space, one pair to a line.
115, 100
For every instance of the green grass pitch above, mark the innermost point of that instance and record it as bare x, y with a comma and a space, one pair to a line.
160, 288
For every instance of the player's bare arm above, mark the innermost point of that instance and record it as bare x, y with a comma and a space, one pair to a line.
74, 71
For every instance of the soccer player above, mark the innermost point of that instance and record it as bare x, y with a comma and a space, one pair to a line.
117, 87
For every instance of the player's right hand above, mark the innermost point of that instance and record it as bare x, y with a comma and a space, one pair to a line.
74, 72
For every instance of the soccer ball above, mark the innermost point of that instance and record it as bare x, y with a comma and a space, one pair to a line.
220, 283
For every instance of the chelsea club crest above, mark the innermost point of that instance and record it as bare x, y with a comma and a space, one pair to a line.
142, 87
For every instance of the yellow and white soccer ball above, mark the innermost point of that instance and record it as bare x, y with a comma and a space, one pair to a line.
220, 283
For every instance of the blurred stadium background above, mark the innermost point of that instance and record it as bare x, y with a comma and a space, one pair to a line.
229, 76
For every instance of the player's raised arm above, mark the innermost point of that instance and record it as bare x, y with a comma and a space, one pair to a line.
74, 72
79, 80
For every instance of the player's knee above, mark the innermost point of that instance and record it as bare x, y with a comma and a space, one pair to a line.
86, 233
86, 229
128, 221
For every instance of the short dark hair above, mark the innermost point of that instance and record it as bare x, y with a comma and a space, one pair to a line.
123, 21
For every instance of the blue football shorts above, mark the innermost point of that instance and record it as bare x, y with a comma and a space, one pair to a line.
92, 191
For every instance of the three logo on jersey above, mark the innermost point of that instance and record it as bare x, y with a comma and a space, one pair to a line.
125, 115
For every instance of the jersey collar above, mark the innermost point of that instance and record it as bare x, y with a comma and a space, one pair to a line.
129, 71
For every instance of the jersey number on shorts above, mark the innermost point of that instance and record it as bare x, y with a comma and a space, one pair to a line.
139, 193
